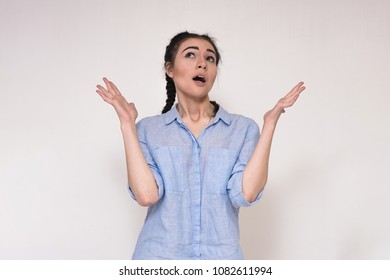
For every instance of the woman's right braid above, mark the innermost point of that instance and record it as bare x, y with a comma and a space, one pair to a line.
171, 94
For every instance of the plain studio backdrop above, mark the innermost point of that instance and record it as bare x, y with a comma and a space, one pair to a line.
63, 185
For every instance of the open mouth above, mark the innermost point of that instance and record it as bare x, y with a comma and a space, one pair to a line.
199, 79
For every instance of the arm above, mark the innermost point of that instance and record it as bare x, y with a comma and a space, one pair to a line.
255, 173
139, 175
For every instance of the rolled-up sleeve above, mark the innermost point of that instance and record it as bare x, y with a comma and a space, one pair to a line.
142, 138
235, 181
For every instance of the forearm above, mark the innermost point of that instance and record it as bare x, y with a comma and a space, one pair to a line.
140, 176
255, 174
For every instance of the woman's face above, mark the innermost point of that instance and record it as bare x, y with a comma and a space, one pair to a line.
194, 69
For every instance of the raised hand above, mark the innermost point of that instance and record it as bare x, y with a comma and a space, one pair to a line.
126, 111
273, 115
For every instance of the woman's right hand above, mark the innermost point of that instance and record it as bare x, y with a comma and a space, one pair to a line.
126, 111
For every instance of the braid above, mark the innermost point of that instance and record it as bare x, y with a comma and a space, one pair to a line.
216, 107
171, 94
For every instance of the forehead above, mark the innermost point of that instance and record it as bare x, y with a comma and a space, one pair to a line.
202, 44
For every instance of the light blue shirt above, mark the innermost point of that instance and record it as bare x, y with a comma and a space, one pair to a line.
199, 186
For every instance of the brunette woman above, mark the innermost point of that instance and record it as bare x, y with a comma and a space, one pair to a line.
194, 165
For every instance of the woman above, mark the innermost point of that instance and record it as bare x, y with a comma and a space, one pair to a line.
194, 165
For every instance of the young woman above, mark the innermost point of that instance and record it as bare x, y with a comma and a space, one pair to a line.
196, 164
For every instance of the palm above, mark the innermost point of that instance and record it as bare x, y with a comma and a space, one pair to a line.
285, 102
126, 111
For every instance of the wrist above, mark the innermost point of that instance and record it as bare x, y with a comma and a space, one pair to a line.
272, 116
271, 120
269, 125
127, 125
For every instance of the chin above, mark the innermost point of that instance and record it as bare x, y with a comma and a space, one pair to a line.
200, 93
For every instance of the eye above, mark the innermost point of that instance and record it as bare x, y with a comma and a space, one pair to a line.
190, 55
210, 59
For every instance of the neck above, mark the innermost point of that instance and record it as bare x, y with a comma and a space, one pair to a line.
195, 111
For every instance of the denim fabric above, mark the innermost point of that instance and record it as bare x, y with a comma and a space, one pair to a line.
200, 186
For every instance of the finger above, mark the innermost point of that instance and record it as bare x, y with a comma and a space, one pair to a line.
104, 91
295, 99
105, 98
115, 88
296, 89
109, 86
292, 101
288, 102
288, 99
293, 96
297, 86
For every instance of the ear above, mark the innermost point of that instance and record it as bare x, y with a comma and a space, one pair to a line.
168, 69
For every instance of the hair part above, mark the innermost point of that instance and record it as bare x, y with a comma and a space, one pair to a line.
169, 58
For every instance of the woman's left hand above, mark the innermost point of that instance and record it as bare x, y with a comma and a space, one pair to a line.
273, 115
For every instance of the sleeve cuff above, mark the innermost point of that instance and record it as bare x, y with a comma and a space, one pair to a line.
159, 183
236, 196
131, 192
238, 200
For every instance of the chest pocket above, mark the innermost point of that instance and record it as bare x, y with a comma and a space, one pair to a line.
170, 162
218, 169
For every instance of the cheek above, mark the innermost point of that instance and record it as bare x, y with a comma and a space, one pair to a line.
180, 70
213, 75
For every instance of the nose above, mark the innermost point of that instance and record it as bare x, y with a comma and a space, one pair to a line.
202, 64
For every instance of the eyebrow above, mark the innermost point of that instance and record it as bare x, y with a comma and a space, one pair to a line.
197, 48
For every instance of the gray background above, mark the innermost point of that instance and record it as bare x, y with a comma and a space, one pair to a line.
63, 191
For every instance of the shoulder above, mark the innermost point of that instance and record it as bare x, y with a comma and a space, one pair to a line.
151, 121
150, 127
158, 121
244, 120
237, 120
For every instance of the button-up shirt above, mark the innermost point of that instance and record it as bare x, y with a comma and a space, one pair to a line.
199, 186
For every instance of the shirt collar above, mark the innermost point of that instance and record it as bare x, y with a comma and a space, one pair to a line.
173, 114
223, 115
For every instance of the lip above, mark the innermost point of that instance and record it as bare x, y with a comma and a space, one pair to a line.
197, 82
